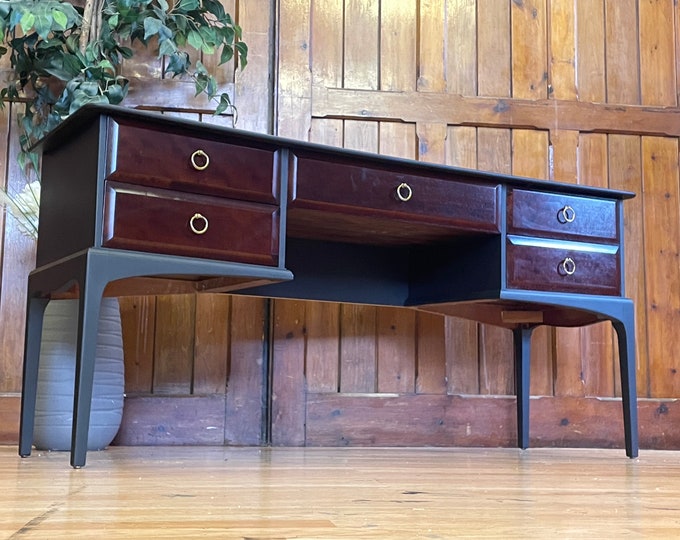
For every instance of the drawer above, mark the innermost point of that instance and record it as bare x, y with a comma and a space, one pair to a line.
563, 266
336, 187
179, 162
174, 223
562, 216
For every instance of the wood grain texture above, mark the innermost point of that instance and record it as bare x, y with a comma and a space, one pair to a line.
494, 48
174, 344
621, 31
342, 493
529, 49
18, 258
288, 404
246, 399
660, 163
658, 65
431, 46
398, 45
138, 322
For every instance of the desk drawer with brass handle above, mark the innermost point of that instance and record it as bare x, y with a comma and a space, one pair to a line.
173, 223
352, 189
562, 216
175, 161
556, 266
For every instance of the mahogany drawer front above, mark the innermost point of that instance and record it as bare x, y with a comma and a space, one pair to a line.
161, 221
174, 161
344, 188
563, 267
562, 216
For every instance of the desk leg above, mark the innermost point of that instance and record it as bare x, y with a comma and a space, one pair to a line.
522, 344
88, 324
33, 334
625, 330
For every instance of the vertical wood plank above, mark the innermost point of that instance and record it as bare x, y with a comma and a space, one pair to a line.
322, 355
461, 47
591, 50
327, 32
174, 344
562, 42
398, 32
253, 91
657, 53
288, 380
625, 172
358, 350
138, 322
396, 355
529, 49
245, 399
431, 354
493, 48
327, 131
18, 259
360, 135
431, 46
662, 274
294, 84
211, 343
398, 140
530, 158
622, 45
362, 44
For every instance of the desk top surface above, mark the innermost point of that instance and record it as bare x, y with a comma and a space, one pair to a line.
155, 120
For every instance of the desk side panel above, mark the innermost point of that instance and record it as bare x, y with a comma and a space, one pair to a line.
69, 209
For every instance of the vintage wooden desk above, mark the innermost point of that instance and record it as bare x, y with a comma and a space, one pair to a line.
127, 193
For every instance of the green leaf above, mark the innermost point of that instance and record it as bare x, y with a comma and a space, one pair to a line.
60, 19
227, 54
151, 27
195, 40
224, 104
187, 5
27, 22
242, 49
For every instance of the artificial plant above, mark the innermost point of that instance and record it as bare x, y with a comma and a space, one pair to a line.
63, 56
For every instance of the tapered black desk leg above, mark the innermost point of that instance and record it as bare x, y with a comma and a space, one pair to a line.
35, 310
625, 330
522, 345
88, 322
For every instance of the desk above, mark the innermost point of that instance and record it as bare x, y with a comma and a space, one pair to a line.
127, 193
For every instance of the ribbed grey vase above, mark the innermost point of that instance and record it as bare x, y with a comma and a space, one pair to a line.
54, 406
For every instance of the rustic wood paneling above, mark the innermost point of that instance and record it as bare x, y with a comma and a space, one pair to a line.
566, 90
662, 272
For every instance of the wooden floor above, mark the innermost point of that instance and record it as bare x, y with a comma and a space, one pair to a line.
314, 493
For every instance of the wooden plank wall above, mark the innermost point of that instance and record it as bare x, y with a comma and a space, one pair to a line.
581, 91
566, 90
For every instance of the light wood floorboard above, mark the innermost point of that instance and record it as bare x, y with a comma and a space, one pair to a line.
319, 493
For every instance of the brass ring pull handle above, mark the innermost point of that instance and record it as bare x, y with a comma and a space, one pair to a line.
566, 215
567, 267
198, 223
404, 192
202, 162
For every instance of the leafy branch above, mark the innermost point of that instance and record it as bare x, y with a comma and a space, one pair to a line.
62, 60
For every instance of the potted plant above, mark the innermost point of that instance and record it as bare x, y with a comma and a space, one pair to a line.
62, 56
